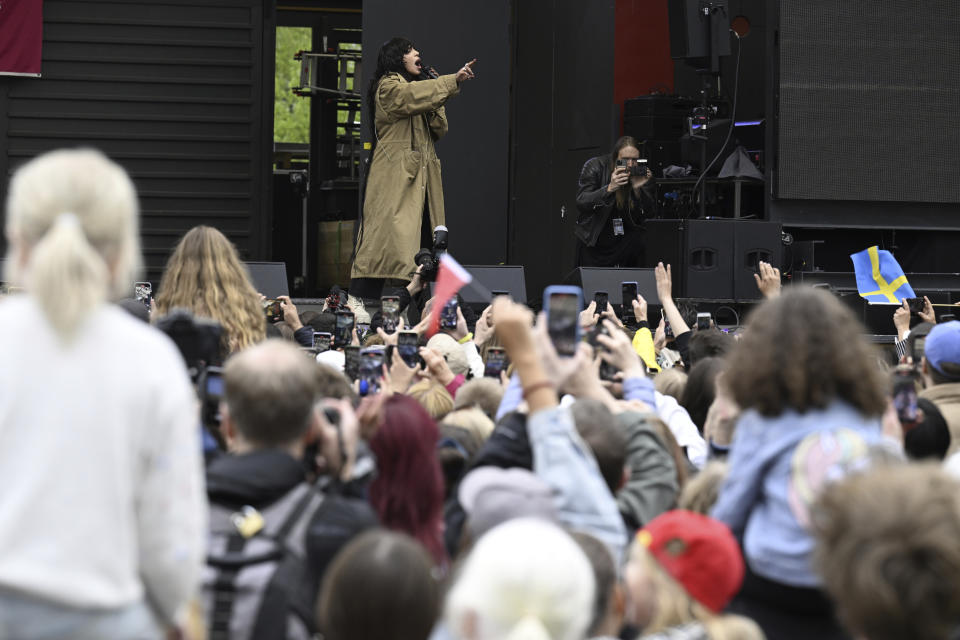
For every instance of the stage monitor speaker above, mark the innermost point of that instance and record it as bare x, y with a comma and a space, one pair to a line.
269, 278
755, 241
700, 253
593, 279
495, 278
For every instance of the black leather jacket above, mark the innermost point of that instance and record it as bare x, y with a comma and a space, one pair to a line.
594, 202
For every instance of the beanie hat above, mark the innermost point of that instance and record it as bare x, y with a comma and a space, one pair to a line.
698, 552
451, 351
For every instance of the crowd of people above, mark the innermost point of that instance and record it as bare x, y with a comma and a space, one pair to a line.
670, 479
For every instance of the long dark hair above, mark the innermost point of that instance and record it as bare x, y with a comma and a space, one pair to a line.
389, 60
623, 194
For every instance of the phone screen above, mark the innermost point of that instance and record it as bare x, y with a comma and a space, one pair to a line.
143, 292
448, 315
371, 369
343, 335
272, 309
629, 292
703, 321
562, 313
496, 362
351, 361
905, 396
407, 347
390, 312
601, 298
321, 341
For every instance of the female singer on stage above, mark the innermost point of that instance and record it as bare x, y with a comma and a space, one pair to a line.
614, 197
404, 194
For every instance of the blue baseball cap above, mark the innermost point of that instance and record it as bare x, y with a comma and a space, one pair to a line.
943, 347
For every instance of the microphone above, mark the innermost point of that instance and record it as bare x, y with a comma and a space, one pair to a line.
428, 70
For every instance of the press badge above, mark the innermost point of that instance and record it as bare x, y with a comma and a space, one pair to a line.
618, 226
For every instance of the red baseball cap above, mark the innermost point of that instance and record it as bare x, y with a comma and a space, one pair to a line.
698, 552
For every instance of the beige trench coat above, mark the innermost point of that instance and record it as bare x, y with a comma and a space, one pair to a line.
404, 173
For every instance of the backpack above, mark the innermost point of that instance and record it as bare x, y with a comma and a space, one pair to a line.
256, 584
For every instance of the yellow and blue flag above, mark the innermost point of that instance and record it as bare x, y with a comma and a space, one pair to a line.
879, 276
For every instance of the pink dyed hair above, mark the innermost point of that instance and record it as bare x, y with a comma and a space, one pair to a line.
408, 490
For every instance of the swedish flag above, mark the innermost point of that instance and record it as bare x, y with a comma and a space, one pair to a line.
879, 276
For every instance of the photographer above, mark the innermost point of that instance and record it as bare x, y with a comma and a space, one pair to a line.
614, 197
404, 194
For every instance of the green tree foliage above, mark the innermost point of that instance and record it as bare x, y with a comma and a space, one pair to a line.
291, 113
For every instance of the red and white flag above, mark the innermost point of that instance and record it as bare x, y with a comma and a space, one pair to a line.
451, 277
21, 37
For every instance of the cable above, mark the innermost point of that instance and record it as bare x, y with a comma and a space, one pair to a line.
733, 123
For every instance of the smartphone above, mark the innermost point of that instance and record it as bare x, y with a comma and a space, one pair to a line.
704, 321
143, 291
916, 305
628, 292
563, 304
390, 313
448, 315
363, 329
407, 342
371, 369
272, 310
496, 362
322, 341
905, 394
343, 333
640, 168
667, 329
351, 361
607, 370
497, 294
947, 317
601, 298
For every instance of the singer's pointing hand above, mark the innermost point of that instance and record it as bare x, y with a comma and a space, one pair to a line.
466, 71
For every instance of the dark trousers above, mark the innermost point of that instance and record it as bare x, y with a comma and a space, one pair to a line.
785, 612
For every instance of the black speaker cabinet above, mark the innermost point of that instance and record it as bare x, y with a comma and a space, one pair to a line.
593, 279
713, 259
755, 241
490, 278
269, 278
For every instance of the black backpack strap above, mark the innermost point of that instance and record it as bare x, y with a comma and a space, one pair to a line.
224, 590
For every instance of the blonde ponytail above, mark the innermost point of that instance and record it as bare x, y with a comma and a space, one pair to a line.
528, 628
74, 234
66, 276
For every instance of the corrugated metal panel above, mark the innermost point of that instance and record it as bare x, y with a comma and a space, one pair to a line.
171, 89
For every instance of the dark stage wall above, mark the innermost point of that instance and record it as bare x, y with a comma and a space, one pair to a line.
474, 154
563, 114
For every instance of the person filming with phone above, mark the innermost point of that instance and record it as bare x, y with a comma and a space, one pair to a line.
614, 197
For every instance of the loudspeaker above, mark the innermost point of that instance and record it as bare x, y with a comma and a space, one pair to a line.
691, 33
755, 241
593, 279
700, 254
269, 278
495, 278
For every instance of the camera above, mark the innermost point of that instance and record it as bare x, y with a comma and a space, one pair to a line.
637, 166
199, 343
197, 339
429, 259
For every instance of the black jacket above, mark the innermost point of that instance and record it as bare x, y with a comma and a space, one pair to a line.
594, 202
258, 479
